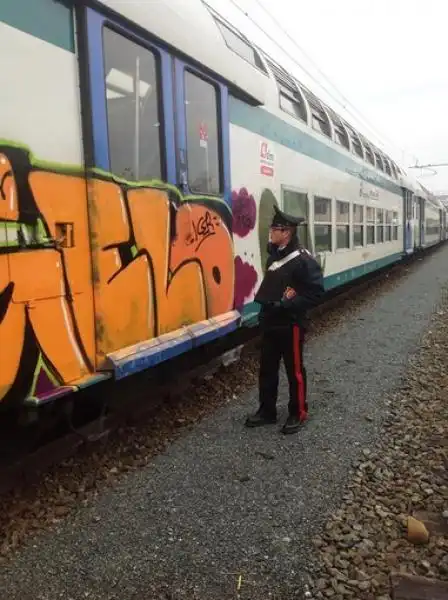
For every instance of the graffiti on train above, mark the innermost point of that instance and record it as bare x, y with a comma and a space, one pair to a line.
90, 266
246, 279
244, 211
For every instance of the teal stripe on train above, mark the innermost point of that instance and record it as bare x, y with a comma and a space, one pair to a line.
260, 121
251, 310
343, 277
48, 20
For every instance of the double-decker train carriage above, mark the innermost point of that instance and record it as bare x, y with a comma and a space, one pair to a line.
143, 146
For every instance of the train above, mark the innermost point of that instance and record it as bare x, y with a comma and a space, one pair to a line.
143, 146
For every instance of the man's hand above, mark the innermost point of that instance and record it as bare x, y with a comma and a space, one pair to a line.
289, 293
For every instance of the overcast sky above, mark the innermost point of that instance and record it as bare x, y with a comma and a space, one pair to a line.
388, 58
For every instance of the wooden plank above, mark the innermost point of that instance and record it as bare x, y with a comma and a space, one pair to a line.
411, 587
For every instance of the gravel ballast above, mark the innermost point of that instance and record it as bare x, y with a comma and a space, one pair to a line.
227, 512
372, 537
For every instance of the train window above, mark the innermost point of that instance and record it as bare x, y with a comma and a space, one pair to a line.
319, 119
369, 154
356, 142
342, 224
379, 162
322, 224
370, 225
236, 42
432, 224
201, 105
322, 238
358, 225
388, 228
322, 209
379, 225
291, 100
395, 226
133, 109
292, 103
357, 147
396, 170
409, 204
296, 204
319, 124
340, 134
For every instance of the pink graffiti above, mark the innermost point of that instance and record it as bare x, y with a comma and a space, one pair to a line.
244, 212
245, 280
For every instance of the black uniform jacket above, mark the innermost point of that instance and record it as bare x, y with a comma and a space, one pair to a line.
292, 268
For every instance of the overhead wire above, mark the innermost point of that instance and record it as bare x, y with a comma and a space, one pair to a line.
380, 137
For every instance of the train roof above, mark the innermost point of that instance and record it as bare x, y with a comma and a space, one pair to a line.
198, 31
189, 27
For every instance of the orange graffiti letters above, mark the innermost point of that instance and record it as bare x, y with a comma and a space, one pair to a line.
88, 267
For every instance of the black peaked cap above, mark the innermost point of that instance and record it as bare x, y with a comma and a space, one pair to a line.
281, 219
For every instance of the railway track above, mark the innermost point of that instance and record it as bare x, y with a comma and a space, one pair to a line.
91, 419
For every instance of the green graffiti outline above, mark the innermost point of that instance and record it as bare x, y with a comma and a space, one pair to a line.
36, 233
88, 173
42, 364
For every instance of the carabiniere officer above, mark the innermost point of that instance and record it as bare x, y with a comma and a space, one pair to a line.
292, 284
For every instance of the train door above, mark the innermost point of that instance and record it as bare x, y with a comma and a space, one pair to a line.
408, 221
159, 195
296, 203
416, 218
421, 222
201, 107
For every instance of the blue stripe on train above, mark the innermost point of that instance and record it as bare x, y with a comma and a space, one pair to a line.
153, 352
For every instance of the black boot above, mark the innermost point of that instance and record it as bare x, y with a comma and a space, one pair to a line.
292, 425
259, 419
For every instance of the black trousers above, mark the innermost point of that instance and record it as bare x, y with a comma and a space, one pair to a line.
284, 343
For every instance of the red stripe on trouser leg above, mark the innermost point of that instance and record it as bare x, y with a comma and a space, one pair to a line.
298, 373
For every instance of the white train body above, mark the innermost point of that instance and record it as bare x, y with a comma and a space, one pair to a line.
298, 173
